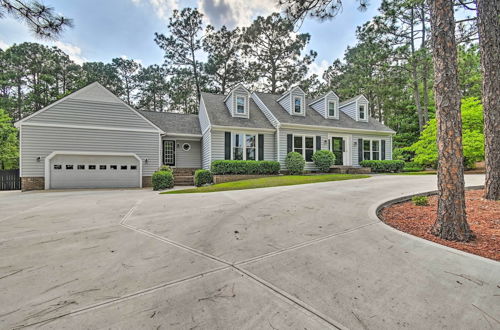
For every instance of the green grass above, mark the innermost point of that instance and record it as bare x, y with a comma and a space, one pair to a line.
413, 173
272, 181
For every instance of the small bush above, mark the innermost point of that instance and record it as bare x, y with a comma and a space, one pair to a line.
384, 166
165, 168
202, 177
295, 163
323, 159
162, 180
245, 167
420, 200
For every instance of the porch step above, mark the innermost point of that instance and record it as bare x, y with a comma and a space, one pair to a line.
183, 180
184, 171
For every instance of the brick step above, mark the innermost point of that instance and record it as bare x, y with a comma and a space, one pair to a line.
184, 171
183, 180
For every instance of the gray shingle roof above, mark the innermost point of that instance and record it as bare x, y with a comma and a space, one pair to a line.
219, 114
312, 117
172, 122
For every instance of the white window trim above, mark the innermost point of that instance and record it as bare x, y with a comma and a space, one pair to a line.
244, 105
301, 113
245, 144
364, 111
335, 109
371, 148
304, 145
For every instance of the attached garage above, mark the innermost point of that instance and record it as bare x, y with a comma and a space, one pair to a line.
83, 170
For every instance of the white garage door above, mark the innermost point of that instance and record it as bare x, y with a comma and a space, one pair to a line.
84, 171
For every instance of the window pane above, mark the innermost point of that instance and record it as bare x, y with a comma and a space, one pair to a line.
69, 167
113, 167
362, 112
250, 153
238, 140
297, 142
123, 167
375, 145
102, 167
240, 104
250, 141
133, 167
298, 150
309, 142
80, 167
238, 154
57, 167
366, 155
91, 167
331, 109
297, 105
309, 155
366, 145
375, 155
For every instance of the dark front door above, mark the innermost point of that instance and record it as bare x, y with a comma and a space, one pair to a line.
169, 152
338, 150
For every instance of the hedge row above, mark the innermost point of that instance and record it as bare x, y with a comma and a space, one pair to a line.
382, 166
245, 167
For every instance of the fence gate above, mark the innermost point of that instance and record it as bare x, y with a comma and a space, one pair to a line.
10, 180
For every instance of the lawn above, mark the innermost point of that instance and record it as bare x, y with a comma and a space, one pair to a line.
272, 181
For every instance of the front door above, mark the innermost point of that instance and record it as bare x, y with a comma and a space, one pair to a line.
338, 147
169, 152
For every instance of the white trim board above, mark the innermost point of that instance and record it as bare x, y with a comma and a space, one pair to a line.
106, 128
87, 153
334, 129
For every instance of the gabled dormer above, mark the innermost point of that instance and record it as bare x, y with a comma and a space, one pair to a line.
356, 108
327, 105
294, 101
238, 101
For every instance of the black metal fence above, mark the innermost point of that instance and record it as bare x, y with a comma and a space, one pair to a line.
10, 180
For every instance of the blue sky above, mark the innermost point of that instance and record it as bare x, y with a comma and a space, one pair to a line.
104, 29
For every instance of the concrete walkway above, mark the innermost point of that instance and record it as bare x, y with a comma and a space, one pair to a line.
309, 256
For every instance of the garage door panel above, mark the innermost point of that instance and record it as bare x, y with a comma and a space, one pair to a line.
84, 171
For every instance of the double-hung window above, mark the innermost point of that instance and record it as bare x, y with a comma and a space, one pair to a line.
304, 145
244, 146
362, 112
240, 105
371, 149
297, 105
331, 108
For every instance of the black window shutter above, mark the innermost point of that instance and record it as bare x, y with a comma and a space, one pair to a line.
318, 142
360, 150
227, 145
261, 147
289, 140
383, 149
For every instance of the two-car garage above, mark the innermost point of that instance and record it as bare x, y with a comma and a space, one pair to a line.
84, 170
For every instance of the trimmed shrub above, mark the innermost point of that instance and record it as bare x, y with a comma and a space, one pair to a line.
412, 167
420, 200
384, 166
323, 159
295, 163
202, 177
245, 167
162, 180
165, 168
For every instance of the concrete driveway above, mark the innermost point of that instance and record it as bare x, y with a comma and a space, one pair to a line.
309, 256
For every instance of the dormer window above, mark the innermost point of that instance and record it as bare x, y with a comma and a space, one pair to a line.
331, 109
240, 105
362, 112
297, 105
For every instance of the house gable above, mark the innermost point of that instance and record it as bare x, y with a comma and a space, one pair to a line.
294, 101
352, 107
238, 102
322, 105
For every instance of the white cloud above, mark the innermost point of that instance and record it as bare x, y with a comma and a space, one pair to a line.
318, 68
74, 52
4, 45
234, 13
161, 8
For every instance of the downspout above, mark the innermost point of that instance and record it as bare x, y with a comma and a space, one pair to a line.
278, 144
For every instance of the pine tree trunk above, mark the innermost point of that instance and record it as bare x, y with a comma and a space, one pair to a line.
489, 42
451, 223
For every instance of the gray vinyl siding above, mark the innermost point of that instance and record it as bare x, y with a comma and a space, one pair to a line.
350, 110
85, 112
285, 103
265, 110
203, 117
206, 148
229, 104
41, 141
283, 144
217, 140
320, 107
270, 146
188, 159
356, 137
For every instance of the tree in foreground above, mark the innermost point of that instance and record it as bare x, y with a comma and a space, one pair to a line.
9, 153
451, 222
489, 42
39, 18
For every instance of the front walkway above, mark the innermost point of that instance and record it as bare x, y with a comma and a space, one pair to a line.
307, 256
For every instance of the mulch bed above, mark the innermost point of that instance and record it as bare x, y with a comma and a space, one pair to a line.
483, 217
